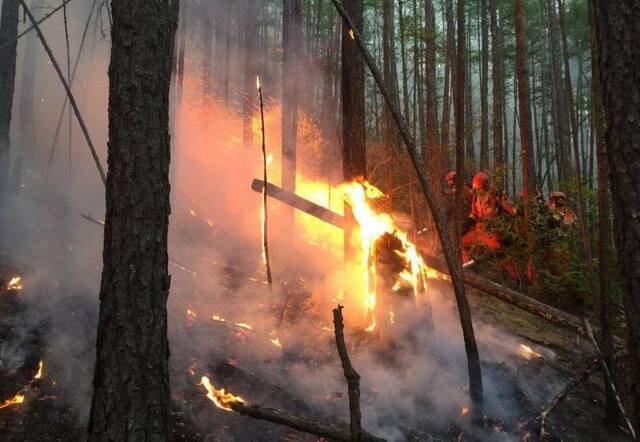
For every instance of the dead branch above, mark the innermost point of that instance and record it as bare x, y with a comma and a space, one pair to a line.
72, 100
350, 373
338, 431
609, 379
31, 28
265, 232
569, 388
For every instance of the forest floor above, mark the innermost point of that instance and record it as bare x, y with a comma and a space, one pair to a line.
53, 409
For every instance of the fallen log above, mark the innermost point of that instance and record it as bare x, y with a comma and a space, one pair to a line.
471, 279
334, 430
297, 202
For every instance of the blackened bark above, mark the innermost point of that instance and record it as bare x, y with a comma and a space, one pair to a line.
604, 224
8, 43
291, 78
131, 380
353, 128
618, 27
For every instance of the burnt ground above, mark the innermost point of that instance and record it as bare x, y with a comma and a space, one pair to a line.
57, 405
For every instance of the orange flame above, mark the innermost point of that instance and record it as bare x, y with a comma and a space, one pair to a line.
529, 353
40, 371
464, 412
17, 399
276, 341
15, 283
372, 226
220, 397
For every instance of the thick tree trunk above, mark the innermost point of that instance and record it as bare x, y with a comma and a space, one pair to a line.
8, 44
27, 89
484, 88
417, 76
390, 71
604, 223
131, 381
291, 78
459, 111
618, 27
206, 34
523, 101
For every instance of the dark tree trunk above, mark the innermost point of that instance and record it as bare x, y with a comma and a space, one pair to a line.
131, 381
250, 32
484, 88
391, 137
8, 43
431, 152
291, 75
417, 72
403, 58
459, 109
618, 27
450, 46
353, 128
604, 222
524, 104
27, 89
207, 61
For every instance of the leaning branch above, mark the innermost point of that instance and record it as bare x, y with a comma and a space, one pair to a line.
451, 252
72, 100
350, 373
609, 379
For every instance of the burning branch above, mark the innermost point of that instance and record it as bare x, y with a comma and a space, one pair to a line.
338, 431
265, 242
72, 100
352, 376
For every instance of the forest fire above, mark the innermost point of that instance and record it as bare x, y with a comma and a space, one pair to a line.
14, 284
528, 353
379, 235
220, 397
17, 399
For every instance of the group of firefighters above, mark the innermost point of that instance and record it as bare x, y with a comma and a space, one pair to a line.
484, 203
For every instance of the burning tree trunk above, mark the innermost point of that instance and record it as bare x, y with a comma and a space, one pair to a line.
130, 399
618, 27
8, 44
291, 78
451, 252
354, 162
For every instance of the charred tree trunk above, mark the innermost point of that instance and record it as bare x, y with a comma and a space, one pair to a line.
390, 71
354, 163
417, 76
291, 78
131, 381
8, 44
27, 90
618, 27
604, 223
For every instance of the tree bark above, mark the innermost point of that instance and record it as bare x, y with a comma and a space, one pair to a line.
291, 78
131, 380
618, 27
484, 88
431, 152
8, 44
250, 43
450, 47
604, 224
390, 71
459, 111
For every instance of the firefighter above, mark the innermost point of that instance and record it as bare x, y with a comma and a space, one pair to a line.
486, 204
558, 206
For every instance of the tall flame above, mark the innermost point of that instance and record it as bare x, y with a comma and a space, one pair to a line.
373, 226
220, 397
40, 371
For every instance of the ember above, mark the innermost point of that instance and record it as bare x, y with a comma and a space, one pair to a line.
40, 371
17, 399
220, 397
528, 353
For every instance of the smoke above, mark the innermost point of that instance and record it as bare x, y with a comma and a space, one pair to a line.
417, 381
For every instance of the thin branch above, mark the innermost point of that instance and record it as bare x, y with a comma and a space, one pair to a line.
68, 91
350, 373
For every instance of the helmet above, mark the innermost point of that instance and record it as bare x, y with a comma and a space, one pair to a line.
557, 194
451, 176
480, 181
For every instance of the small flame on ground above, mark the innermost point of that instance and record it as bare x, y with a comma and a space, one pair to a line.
464, 412
40, 371
193, 212
220, 397
192, 314
17, 399
15, 283
529, 353
242, 325
276, 341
